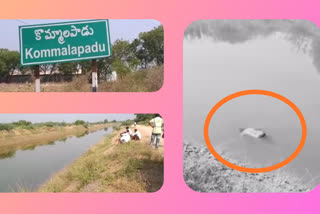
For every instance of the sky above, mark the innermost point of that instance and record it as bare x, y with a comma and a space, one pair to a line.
127, 29
36, 118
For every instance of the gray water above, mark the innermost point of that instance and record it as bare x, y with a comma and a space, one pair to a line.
31, 168
213, 70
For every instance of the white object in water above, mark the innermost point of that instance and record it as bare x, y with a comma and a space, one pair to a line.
256, 133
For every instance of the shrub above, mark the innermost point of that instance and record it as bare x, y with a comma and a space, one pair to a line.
5, 127
127, 123
29, 127
22, 123
49, 124
79, 122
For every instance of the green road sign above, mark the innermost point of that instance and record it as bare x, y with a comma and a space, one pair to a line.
64, 42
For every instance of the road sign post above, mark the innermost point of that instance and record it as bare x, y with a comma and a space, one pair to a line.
37, 78
94, 76
65, 42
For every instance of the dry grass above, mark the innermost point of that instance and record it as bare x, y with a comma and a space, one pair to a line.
17, 87
112, 167
140, 81
19, 138
203, 173
48, 87
78, 84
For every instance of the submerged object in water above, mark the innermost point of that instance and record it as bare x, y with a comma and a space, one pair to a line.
256, 133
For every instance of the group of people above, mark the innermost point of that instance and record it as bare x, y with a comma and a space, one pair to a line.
157, 132
128, 135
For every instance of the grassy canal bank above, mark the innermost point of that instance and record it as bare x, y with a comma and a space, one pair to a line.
112, 167
203, 173
14, 137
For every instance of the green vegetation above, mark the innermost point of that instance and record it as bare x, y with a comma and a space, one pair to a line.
79, 122
53, 124
127, 123
145, 118
9, 61
22, 124
6, 127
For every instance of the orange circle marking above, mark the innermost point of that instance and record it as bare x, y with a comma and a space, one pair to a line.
255, 92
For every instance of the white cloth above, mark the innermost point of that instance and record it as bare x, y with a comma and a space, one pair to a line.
125, 138
253, 132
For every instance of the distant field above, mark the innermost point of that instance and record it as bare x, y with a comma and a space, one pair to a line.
22, 138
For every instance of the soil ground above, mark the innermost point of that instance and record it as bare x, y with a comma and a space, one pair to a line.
204, 173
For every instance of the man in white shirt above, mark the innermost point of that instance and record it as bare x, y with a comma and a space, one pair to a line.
129, 131
125, 137
136, 135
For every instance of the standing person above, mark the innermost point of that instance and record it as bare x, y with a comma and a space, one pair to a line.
135, 124
156, 124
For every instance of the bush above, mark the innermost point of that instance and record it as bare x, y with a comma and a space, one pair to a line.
5, 127
146, 80
127, 123
48, 124
29, 127
22, 123
145, 118
79, 122
63, 124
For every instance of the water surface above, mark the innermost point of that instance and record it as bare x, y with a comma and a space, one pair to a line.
213, 70
31, 168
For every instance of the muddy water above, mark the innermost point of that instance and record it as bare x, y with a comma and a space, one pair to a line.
213, 70
28, 169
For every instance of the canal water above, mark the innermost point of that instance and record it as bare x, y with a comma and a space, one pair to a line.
28, 169
214, 70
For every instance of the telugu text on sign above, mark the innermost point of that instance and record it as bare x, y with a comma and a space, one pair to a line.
63, 42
